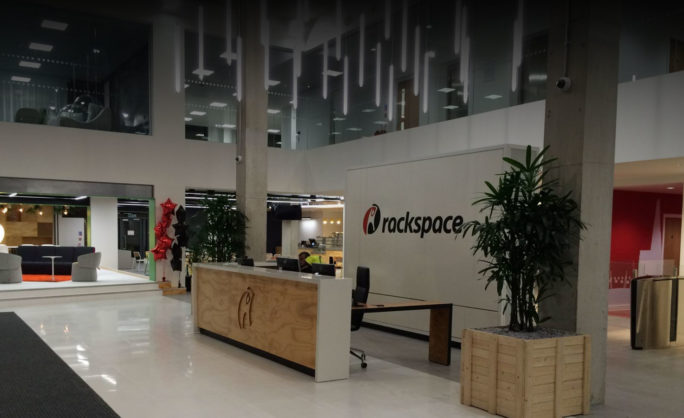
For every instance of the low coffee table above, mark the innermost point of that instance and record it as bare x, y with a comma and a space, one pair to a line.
52, 257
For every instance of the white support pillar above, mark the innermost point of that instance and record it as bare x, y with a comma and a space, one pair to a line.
104, 229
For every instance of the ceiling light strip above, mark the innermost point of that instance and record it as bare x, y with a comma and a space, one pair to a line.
465, 54
177, 57
426, 77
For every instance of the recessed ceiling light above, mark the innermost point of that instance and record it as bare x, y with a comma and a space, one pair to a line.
187, 85
354, 129
233, 56
273, 131
53, 24
537, 77
188, 119
272, 83
493, 96
203, 73
451, 107
36, 46
335, 133
199, 134
670, 187
333, 73
12, 194
30, 64
218, 104
368, 110
198, 113
225, 126
272, 111
80, 197
380, 122
279, 142
319, 123
446, 90
21, 79
337, 118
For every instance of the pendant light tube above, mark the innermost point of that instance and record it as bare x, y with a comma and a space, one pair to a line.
238, 73
362, 47
345, 93
378, 73
517, 46
388, 18
390, 94
426, 77
294, 87
177, 55
338, 37
404, 35
267, 55
416, 60
325, 69
457, 27
229, 32
200, 41
465, 53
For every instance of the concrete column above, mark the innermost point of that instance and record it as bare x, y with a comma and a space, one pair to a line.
290, 239
104, 228
167, 98
580, 130
252, 137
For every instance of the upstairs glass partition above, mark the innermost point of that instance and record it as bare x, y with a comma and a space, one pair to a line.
63, 68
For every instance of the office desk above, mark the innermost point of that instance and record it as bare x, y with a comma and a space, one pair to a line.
296, 319
440, 324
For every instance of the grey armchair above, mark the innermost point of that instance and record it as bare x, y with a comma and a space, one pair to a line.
85, 269
10, 268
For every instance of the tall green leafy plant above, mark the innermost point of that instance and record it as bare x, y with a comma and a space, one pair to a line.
524, 237
221, 234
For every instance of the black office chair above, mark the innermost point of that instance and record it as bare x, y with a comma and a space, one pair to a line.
359, 297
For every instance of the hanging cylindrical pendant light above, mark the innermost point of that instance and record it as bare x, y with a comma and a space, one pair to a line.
362, 47
426, 77
517, 46
238, 72
177, 57
325, 69
388, 18
465, 54
404, 35
416, 60
200, 42
378, 72
457, 27
345, 86
229, 32
390, 93
338, 37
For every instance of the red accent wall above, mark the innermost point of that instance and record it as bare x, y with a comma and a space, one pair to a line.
632, 227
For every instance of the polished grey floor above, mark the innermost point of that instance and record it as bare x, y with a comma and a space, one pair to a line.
140, 354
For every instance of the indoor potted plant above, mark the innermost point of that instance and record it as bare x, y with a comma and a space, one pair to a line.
522, 370
219, 232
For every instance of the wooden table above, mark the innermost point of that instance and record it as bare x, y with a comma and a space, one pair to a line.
440, 324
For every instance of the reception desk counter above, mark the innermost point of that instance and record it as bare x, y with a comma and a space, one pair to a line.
300, 320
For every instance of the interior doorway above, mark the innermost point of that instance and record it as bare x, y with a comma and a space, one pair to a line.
676, 55
408, 106
672, 238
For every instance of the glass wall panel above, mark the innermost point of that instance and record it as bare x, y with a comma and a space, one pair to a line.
64, 68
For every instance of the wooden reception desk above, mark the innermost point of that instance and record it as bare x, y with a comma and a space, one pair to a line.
299, 320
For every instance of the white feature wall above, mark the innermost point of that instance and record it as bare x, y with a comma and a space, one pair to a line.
437, 266
103, 227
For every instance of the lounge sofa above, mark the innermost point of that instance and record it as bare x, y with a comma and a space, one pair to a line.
32, 261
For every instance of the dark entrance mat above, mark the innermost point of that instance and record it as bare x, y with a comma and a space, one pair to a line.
35, 382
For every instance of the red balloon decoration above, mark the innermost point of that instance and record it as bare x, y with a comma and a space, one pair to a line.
159, 254
168, 207
165, 243
165, 223
159, 230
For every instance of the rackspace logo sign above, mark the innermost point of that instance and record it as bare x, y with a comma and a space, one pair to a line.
373, 222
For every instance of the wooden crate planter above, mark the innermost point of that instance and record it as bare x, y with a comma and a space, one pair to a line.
518, 378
